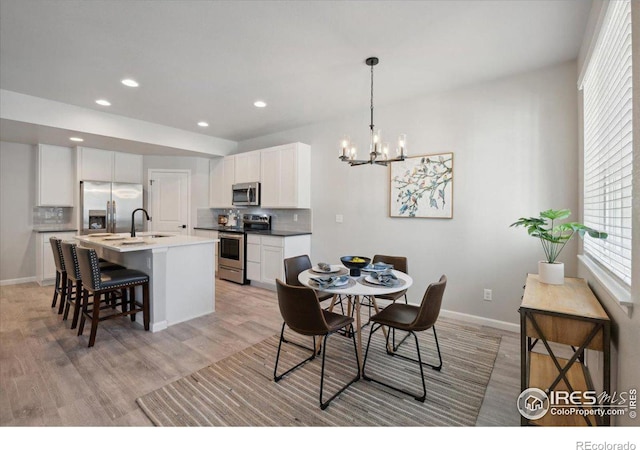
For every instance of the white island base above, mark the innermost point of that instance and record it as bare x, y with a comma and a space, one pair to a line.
180, 269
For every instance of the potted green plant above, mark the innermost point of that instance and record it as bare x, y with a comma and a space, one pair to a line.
553, 238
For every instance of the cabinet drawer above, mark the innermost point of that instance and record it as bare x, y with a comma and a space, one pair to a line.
253, 239
273, 241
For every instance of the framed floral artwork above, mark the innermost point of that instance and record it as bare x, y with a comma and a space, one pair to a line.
422, 186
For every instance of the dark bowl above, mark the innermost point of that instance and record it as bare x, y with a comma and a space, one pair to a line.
355, 266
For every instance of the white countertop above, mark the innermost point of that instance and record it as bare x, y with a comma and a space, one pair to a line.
123, 242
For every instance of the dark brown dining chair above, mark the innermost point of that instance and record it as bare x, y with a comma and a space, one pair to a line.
293, 266
412, 319
302, 313
398, 263
101, 285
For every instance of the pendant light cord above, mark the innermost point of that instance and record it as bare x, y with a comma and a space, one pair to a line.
371, 125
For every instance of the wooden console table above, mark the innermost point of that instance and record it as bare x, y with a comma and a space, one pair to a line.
566, 314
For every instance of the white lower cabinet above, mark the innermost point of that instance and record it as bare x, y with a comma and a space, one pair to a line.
212, 234
266, 255
45, 264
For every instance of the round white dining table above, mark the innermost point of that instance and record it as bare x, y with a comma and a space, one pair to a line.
356, 287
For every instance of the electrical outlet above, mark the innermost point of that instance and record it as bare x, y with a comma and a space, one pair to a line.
295, 217
488, 295
339, 218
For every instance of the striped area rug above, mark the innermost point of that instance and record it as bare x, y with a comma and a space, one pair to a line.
240, 391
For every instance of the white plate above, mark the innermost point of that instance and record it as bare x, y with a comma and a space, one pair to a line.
134, 241
99, 234
113, 238
334, 269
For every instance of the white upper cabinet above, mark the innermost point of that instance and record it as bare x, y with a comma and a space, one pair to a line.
247, 167
56, 176
105, 165
127, 168
286, 176
221, 178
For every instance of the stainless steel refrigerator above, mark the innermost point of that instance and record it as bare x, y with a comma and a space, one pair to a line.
107, 207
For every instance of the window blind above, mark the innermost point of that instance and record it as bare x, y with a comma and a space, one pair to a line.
607, 88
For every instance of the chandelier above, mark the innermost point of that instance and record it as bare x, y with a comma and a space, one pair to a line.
378, 150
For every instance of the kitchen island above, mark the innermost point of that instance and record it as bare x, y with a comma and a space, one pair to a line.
180, 270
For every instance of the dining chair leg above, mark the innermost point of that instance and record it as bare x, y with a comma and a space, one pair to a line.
277, 377
395, 348
324, 405
421, 398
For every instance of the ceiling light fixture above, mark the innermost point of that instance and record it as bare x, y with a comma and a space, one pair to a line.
203, 124
103, 102
377, 149
76, 139
259, 104
129, 82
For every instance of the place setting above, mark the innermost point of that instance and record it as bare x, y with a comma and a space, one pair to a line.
323, 268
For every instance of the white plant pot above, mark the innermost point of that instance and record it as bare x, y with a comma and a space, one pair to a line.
551, 273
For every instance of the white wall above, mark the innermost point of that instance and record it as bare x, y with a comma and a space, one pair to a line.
515, 153
199, 168
17, 198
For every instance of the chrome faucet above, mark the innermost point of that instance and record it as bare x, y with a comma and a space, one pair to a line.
133, 226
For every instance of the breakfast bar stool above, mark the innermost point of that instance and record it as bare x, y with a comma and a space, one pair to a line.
74, 279
99, 284
60, 287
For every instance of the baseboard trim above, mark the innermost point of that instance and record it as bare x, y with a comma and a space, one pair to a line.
477, 320
17, 281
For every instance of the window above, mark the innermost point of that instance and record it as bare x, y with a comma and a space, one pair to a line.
608, 152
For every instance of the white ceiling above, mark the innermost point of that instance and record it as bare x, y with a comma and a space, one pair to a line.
210, 60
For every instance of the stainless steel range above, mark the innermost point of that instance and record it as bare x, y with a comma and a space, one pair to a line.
232, 250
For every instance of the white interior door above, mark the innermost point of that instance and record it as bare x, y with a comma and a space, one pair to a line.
169, 198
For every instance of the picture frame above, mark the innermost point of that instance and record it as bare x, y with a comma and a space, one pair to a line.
422, 187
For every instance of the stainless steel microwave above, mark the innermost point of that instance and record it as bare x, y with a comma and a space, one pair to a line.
246, 194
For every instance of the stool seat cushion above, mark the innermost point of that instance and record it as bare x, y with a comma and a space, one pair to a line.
122, 278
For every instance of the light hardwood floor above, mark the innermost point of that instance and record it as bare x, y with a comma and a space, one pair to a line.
48, 376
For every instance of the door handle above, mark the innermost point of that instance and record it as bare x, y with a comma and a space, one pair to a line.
182, 226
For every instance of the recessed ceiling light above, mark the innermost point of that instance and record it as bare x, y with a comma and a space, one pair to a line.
259, 104
129, 82
203, 124
103, 102
76, 139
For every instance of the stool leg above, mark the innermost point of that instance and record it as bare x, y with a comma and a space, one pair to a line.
55, 290
69, 299
78, 304
132, 300
85, 305
146, 313
124, 293
95, 317
63, 292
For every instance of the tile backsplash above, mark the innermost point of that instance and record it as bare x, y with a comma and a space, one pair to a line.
51, 215
281, 219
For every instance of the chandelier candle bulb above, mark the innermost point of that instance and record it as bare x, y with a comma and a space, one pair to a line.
385, 150
402, 142
345, 145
